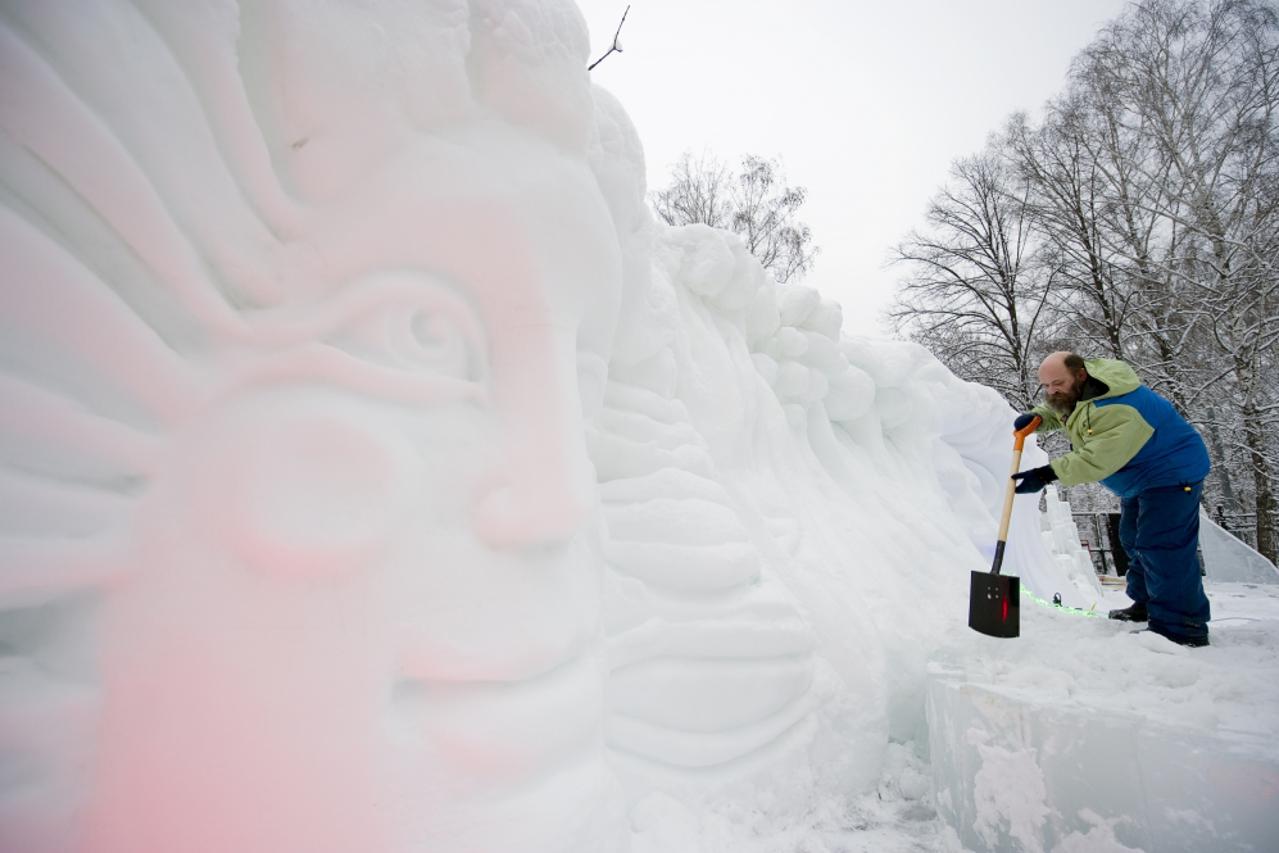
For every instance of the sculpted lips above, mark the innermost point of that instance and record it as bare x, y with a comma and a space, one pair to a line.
501, 730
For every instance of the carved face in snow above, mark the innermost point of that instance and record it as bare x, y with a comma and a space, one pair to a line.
308, 502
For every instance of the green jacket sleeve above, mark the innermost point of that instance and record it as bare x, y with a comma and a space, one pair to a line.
1114, 435
1051, 420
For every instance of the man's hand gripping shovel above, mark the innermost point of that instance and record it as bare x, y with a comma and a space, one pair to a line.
993, 599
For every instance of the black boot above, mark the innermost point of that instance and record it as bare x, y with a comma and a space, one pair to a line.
1135, 613
1192, 640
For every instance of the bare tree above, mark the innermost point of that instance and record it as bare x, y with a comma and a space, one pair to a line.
975, 295
1141, 217
1067, 194
700, 191
755, 203
1203, 82
1092, 193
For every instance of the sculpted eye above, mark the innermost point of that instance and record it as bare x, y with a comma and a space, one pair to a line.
415, 331
306, 474
442, 340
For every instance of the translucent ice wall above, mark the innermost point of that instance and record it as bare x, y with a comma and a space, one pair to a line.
378, 476
1228, 558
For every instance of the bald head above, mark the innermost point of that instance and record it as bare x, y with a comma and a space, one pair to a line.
1062, 375
1058, 363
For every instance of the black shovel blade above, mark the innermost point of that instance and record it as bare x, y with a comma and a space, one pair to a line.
994, 605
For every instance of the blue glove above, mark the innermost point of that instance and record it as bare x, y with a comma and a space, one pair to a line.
1023, 421
1031, 481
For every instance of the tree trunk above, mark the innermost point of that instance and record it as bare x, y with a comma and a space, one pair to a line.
1263, 483
1223, 471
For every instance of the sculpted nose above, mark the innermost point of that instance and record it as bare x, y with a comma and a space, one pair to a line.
542, 487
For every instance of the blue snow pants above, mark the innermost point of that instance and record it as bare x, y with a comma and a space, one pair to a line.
1159, 529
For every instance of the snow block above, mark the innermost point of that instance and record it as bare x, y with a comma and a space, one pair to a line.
1012, 774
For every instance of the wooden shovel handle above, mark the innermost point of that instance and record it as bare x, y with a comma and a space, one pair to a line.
1019, 441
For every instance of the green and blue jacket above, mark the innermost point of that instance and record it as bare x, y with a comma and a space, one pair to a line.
1126, 436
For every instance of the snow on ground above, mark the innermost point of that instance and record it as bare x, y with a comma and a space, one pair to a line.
1112, 667
370, 451
1089, 726
1094, 670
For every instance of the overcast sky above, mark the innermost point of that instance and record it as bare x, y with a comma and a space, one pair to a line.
865, 103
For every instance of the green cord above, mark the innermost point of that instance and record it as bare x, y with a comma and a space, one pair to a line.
1091, 611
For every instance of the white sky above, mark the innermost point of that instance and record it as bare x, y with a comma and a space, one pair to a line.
866, 103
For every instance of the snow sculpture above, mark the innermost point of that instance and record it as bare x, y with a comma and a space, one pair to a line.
711, 664
297, 502
377, 476
1075, 572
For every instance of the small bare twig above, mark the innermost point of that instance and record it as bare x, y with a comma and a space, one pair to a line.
617, 43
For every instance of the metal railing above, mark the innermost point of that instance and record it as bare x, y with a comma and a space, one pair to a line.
1241, 525
1096, 532
1099, 533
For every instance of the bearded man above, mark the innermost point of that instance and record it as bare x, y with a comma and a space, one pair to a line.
1136, 444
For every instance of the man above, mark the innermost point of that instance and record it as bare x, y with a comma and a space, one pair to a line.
1138, 446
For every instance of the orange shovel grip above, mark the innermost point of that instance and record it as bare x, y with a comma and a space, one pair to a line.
1020, 435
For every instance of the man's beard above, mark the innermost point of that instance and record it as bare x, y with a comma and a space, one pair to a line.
1064, 401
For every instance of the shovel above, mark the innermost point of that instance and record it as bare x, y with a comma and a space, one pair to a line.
994, 606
